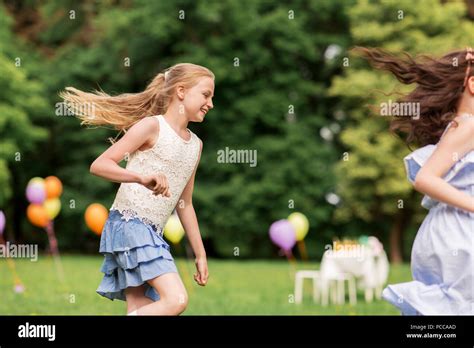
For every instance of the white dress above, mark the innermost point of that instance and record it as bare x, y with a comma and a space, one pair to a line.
442, 259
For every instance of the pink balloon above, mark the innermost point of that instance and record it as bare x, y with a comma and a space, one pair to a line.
283, 234
35, 193
2, 222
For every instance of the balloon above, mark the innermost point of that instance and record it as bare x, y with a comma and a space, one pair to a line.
300, 224
174, 231
53, 187
363, 240
52, 207
283, 234
35, 193
96, 215
37, 215
36, 180
2, 222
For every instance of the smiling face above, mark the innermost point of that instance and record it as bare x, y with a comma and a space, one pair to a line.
197, 100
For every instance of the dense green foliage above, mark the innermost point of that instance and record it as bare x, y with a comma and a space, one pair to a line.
281, 89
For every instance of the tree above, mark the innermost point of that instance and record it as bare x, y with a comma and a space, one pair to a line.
22, 104
271, 73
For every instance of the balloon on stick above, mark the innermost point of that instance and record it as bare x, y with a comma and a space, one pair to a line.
43, 194
95, 216
53, 245
37, 215
35, 193
36, 180
52, 207
283, 235
301, 225
174, 230
2, 222
53, 187
18, 287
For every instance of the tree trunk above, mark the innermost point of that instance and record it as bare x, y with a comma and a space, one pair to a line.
470, 8
17, 211
401, 222
396, 254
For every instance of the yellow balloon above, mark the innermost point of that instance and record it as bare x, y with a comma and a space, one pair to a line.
36, 180
52, 207
300, 223
174, 231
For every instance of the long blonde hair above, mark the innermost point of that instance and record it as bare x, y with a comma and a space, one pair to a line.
123, 111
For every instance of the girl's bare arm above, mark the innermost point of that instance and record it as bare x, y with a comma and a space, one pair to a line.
187, 215
188, 218
106, 165
456, 143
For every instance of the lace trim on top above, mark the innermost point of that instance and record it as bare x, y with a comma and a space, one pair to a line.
173, 156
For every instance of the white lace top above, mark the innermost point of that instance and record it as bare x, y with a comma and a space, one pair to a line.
171, 155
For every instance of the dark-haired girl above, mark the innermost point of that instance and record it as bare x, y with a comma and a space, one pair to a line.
442, 259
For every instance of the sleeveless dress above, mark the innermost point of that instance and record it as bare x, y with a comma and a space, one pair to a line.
132, 239
442, 261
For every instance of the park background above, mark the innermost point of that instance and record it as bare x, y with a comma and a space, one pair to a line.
286, 86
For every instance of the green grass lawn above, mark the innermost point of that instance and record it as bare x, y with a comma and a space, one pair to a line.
235, 287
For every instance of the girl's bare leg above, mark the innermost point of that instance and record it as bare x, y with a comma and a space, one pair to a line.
173, 296
136, 298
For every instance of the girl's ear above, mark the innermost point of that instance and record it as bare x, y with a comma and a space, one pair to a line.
180, 92
470, 85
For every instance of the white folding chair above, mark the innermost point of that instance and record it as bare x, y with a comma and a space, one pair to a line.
336, 286
299, 280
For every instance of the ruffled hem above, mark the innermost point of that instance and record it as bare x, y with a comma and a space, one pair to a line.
131, 259
417, 298
133, 253
113, 285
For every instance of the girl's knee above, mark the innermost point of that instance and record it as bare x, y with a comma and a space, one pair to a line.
176, 303
183, 302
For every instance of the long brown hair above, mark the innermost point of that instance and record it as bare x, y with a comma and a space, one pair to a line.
123, 111
439, 87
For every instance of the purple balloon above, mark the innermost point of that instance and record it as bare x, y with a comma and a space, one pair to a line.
283, 234
35, 193
2, 222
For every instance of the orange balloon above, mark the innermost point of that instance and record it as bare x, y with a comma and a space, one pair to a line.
53, 187
37, 215
96, 215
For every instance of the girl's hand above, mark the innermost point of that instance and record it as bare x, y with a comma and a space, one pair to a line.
202, 273
158, 183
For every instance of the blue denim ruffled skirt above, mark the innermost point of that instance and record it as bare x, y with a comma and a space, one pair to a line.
134, 252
